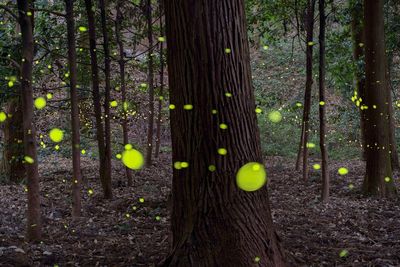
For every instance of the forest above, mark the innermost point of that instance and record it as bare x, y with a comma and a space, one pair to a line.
227, 133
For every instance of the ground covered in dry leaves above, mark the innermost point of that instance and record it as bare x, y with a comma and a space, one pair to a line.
128, 232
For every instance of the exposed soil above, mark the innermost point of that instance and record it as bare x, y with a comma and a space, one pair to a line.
126, 232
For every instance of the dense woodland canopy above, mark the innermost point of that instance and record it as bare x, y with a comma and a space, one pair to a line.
199, 133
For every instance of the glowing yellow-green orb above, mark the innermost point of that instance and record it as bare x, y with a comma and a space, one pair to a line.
251, 177
40, 102
161, 39
29, 160
172, 106
56, 135
10, 84
317, 166
212, 168
310, 145
49, 96
113, 103
343, 171
222, 151
223, 126
184, 164
228, 50
275, 116
82, 29
128, 146
132, 159
343, 253
188, 107
258, 110
178, 165
118, 156
3, 116
387, 179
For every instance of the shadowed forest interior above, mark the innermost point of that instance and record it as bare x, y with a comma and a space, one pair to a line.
228, 133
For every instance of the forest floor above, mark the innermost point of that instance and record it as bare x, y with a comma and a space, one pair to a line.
128, 232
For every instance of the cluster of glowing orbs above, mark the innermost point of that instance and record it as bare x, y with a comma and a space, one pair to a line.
132, 158
343, 171
275, 116
40, 102
181, 165
251, 177
56, 135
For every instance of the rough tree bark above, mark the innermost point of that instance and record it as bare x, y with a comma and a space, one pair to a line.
107, 98
96, 92
378, 177
213, 222
150, 82
160, 101
322, 117
121, 61
34, 224
76, 154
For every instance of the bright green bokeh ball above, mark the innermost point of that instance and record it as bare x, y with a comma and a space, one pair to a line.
275, 116
132, 159
3, 116
40, 102
56, 135
251, 177
343, 171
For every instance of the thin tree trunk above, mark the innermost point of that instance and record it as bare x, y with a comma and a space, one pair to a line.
96, 92
301, 143
309, 82
34, 224
76, 154
120, 43
160, 101
378, 177
150, 81
322, 119
107, 118
214, 223
358, 55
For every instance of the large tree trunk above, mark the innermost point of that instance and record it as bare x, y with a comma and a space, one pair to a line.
358, 56
96, 92
322, 119
150, 81
378, 177
13, 153
160, 101
309, 82
34, 224
120, 43
76, 154
107, 118
214, 223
